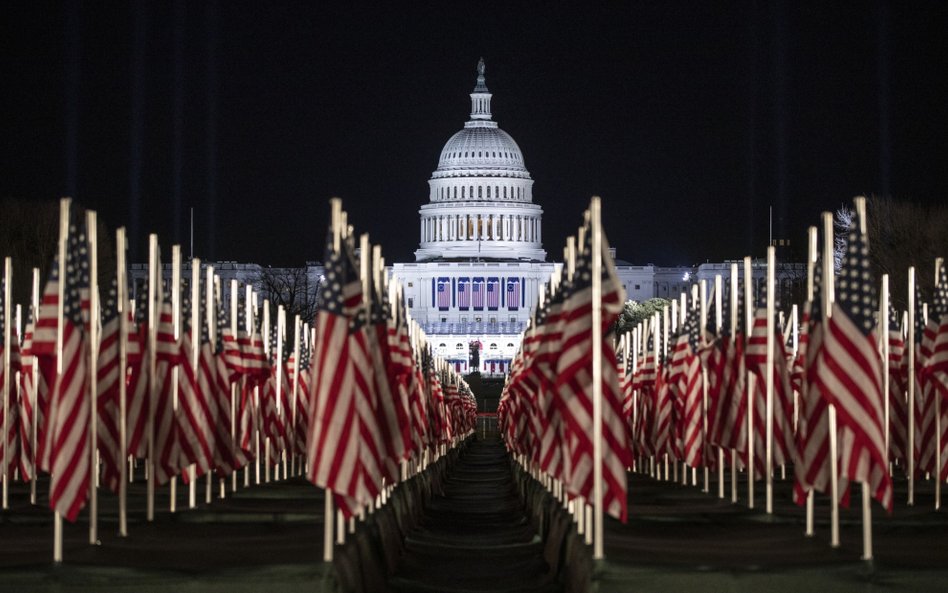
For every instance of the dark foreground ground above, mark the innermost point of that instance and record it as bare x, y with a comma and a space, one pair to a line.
681, 539
269, 538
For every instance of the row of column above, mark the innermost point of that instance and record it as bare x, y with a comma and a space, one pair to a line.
486, 227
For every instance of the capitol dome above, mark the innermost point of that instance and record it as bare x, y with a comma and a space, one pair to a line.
481, 195
482, 148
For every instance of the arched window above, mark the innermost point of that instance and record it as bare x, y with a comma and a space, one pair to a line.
505, 192
488, 191
480, 191
462, 192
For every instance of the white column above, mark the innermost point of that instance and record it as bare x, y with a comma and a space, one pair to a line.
496, 228
483, 234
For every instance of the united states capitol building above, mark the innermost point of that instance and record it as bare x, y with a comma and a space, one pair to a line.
480, 263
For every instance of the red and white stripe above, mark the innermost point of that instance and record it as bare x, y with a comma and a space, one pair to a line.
850, 375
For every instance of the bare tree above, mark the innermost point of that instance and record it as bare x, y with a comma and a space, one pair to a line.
903, 234
843, 222
29, 231
297, 289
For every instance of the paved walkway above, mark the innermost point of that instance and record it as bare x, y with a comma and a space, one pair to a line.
475, 536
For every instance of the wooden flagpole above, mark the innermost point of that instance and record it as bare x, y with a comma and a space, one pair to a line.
212, 297
910, 344
794, 329
751, 379
860, 203
828, 298
666, 313
297, 337
595, 210
94, 311
884, 353
705, 447
154, 277
655, 468
734, 318
175, 371
34, 396
265, 332
771, 329
938, 263
329, 513
813, 250
121, 287
235, 393
249, 322
281, 336
718, 321
63, 234
195, 357
7, 343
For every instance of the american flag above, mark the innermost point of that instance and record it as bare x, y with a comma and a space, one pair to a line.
301, 390
444, 294
196, 416
493, 294
477, 294
371, 446
813, 467
549, 337
924, 389
168, 355
898, 402
513, 294
390, 417
65, 448
728, 399
139, 406
33, 392
464, 293
107, 398
937, 364
333, 441
400, 368
274, 427
643, 409
574, 385
9, 446
231, 456
688, 387
783, 445
228, 346
850, 373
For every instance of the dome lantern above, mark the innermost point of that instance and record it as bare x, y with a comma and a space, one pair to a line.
480, 98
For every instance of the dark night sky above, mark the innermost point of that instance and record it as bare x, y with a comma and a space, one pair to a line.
690, 120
